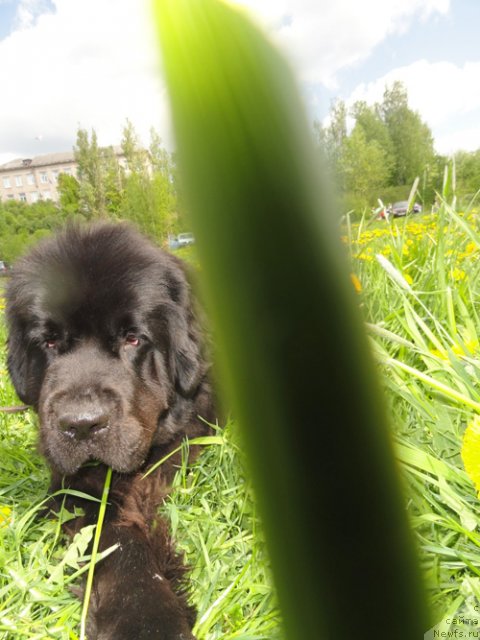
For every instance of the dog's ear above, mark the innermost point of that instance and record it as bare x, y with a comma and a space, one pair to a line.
176, 334
186, 353
26, 364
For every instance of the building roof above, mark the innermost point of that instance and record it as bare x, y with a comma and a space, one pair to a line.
39, 161
46, 160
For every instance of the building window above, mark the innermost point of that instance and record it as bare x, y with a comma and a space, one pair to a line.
18, 181
6, 183
10, 196
44, 177
30, 178
46, 195
55, 176
23, 197
34, 196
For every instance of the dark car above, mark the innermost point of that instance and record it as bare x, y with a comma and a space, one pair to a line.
399, 209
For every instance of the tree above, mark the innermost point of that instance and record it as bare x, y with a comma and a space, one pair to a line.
69, 192
375, 129
140, 189
137, 160
364, 167
468, 172
148, 196
411, 138
387, 148
334, 135
113, 181
149, 203
91, 175
161, 160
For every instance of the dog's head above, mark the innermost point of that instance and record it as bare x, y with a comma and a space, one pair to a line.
104, 344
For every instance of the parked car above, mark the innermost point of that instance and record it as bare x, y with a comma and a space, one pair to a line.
184, 239
399, 209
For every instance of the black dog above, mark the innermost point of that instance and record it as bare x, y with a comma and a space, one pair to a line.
105, 345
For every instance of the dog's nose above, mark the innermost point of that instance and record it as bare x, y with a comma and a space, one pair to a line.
83, 426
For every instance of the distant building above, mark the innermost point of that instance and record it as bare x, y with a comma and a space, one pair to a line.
33, 179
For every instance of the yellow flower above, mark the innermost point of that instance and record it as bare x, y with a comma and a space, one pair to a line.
364, 256
458, 274
470, 248
5, 513
471, 451
356, 283
469, 347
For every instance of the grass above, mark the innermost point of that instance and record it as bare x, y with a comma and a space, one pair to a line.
417, 281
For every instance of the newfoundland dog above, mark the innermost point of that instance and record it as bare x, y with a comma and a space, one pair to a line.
105, 344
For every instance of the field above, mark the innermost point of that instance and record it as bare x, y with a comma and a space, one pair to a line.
417, 282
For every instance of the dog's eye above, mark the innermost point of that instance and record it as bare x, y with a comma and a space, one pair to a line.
132, 339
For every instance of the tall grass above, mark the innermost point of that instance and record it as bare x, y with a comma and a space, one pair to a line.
418, 283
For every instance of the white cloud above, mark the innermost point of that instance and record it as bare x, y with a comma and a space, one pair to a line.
28, 11
323, 37
94, 63
465, 139
91, 63
442, 92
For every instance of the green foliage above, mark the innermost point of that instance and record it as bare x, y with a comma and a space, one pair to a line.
140, 186
148, 202
136, 186
411, 138
420, 300
388, 147
468, 173
91, 175
364, 165
375, 128
22, 224
69, 191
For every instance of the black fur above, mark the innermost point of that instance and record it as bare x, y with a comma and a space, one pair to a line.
105, 345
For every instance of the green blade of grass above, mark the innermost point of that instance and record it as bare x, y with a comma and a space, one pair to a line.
436, 385
96, 541
293, 354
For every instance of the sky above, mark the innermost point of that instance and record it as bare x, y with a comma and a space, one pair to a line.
95, 64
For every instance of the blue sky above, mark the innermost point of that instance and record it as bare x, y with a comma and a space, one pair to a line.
452, 36
94, 63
